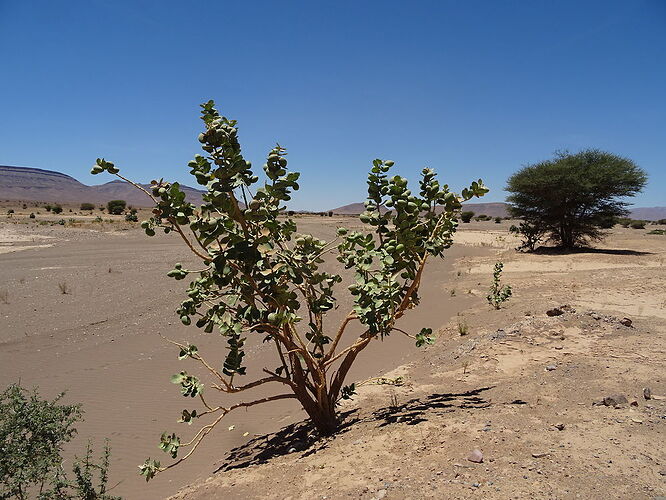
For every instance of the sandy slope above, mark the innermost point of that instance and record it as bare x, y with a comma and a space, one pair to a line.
520, 387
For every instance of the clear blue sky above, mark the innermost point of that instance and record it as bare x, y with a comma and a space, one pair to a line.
470, 88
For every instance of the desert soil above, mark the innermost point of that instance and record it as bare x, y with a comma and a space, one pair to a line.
521, 387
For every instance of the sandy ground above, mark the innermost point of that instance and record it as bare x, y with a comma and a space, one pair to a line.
520, 386
99, 340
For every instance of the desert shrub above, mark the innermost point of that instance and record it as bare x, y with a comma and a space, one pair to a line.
661, 222
32, 215
262, 281
32, 435
131, 218
571, 195
498, 220
531, 234
657, 231
62, 222
116, 207
637, 224
498, 293
10, 211
64, 287
25, 206
48, 207
87, 206
57, 209
466, 216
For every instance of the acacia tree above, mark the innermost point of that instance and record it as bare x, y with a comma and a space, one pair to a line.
262, 280
571, 197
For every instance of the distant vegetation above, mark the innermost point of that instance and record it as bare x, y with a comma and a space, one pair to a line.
260, 278
570, 198
466, 216
87, 206
116, 207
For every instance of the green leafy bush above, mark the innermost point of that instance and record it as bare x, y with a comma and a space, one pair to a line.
116, 207
498, 220
131, 218
261, 280
498, 293
466, 216
32, 435
637, 224
87, 206
56, 209
531, 233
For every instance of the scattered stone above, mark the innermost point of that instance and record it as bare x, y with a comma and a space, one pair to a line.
594, 315
615, 400
559, 426
555, 311
381, 494
476, 485
550, 368
634, 403
647, 393
475, 456
292, 450
626, 322
637, 420
539, 455
568, 308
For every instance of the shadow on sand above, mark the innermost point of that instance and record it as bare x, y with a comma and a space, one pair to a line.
302, 437
569, 251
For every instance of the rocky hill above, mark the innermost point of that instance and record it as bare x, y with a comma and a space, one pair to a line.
35, 184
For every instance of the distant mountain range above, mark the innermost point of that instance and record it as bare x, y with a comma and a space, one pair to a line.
35, 184
502, 210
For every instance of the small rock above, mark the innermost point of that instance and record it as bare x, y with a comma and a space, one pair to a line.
637, 420
550, 368
559, 426
626, 322
381, 494
475, 456
647, 393
615, 400
476, 485
634, 403
594, 315
539, 455
568, 308
292, 450
555, 311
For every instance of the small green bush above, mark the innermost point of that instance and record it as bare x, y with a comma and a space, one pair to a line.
498, 220
658, 231
131, 218
87, 206
56, 209
498, 293
116, 207
637, 224
32, 216
32, 435
466, 216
